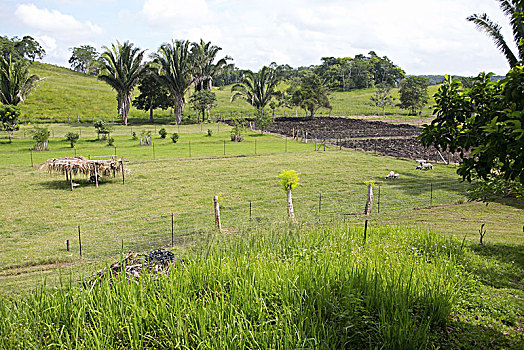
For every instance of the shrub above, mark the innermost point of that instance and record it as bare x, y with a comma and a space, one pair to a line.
72, 137
102, 129
133, 136
41, 136
174, 137
209, 132
110, 141
163, 133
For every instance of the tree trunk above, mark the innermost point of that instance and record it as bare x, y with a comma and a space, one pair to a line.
369, 201
179, 108
290, 210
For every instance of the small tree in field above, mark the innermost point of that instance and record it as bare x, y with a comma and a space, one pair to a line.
72, 137
289, 180
9, 119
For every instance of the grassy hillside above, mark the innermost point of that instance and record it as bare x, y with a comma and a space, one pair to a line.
66, 94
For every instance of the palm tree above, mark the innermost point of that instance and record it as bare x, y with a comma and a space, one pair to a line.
256, 88
204, 70
513, 9
122, 69
15, 81
174, 71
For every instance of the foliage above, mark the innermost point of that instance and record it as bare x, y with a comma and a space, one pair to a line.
174, 137
133, 136
310, 95
493, 188
152, 94
256, 88
487, 120
220, 198
21, 48
83, 58
205, 69
288, 179
209, 132
9, 118
40, 134
122, 71
174, 71
72, 137
163, 133
414, 93
201, 101
382, 97
369, 183
15, 82
102, 128
514, 10
110, 141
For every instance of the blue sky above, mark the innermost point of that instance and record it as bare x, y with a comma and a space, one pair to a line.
423, 37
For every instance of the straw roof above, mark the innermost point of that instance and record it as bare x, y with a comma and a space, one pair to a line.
81, 165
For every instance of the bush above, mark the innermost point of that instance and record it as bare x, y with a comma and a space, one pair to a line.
110, 141
174, 137
163, 133
133, 136
72, 137
41, 136
209, 132
102, 129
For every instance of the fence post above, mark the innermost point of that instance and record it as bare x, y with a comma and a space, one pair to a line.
154, 157
255, 146
31, 157
190, 149
224, 147
249, 210
79, 241
378, 202
123, 172
67, 245
172, 229
217, 213
286, 143
365, 231
431, 194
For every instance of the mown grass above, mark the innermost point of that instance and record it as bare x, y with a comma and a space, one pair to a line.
68, 96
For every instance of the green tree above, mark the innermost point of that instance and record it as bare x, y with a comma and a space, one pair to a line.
203, 100
122, 71
102, 129
29, 47
15, 81
513, 9
256, 88
153, 95
414, 93
82, 57
72, 137
311, 94
288, 181
9, 119
486, 119
173, 61
382, 97
205, 69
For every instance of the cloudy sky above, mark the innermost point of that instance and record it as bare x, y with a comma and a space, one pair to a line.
421, 36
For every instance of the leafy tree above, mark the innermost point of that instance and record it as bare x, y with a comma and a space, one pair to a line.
513, 9
414, 93
41, 136
7, 48
203, 56
102, 129
72, 137
83, 57
203, 100
485, 119
122, 71
174, 64
15, 81
289, 180
153, 95
163, 133
382, 97
29, 47
9, 118
256, 88
311, 94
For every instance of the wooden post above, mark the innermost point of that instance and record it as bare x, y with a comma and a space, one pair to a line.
31, 158
255, 146
378, 203
172, 229
369, 201
431, 194
79, 241
71, 177
365, 231
286, 143
315, 143
153, 150
96, 175
67, 245
217, 213
189, 149
224, 147
123, 172
250, 210
319, 203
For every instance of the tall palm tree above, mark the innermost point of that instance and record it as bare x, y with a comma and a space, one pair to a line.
174, 64
256, 88
204, 68
15, 81
513, 9
122, 69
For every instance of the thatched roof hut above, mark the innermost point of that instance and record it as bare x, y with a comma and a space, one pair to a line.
86, 166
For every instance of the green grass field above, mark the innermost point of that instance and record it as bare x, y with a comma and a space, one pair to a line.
69, 96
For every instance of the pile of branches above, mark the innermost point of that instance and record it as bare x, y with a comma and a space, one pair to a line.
82, 165
133, 265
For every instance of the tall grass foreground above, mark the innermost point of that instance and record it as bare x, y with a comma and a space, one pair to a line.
294, 287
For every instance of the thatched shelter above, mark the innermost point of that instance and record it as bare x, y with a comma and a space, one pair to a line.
91, 168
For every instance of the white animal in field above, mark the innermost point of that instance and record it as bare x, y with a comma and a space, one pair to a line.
392, 175
426, 166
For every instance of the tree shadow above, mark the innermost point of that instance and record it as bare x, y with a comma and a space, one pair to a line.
66, 185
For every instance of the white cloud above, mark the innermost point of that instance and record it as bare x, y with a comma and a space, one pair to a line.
54, 22
175, 13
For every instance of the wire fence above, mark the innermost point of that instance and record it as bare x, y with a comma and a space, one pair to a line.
100, 240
